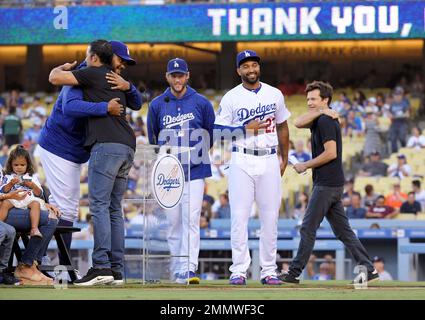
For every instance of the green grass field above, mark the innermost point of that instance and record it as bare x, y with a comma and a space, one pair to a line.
219, 290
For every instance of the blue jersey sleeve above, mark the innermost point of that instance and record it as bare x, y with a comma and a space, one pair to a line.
153, 128
73, 104
134, 99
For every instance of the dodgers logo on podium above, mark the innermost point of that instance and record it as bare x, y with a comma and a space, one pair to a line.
168, 181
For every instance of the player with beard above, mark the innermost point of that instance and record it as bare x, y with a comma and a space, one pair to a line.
256, 115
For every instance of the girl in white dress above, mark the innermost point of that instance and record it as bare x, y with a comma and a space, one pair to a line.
19, 175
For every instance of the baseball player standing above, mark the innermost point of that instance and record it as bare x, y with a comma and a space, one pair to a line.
328, 183
184, 115
256, 115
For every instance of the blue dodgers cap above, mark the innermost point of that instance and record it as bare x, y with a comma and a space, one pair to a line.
246, 55
121, 50
177, 65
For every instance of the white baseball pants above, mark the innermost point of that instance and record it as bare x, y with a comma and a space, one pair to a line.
63, 180
254, 178
183, 233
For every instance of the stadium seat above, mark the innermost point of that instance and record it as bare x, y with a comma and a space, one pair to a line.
84, 210
406, 216
216, 187
420, 216
84, 189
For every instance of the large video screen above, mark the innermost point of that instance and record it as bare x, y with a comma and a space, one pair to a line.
215, 22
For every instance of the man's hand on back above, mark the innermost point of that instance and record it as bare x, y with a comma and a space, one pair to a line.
115, 108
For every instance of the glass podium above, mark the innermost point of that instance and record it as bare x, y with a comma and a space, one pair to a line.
154, 235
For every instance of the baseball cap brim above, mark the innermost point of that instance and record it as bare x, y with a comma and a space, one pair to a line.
177, 71
130, 61
255, 58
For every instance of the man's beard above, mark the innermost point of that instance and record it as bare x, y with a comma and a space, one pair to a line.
248, 80
183, 86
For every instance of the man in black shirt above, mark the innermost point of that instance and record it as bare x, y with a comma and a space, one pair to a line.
328, 183
112, 144
411, 205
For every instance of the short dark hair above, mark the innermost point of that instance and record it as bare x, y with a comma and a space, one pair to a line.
416, 183
368, 188
411, 192
380, 197
326, 90
103, 50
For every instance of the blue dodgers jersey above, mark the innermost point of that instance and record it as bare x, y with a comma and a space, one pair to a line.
64, 135
174, 121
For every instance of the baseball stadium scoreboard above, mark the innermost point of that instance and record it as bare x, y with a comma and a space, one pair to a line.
214, 22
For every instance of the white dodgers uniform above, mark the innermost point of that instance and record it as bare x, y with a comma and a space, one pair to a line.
254, 172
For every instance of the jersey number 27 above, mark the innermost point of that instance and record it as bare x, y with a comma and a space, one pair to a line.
271, 126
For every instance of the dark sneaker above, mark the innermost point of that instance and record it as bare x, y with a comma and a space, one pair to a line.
9, 279
237, 281
271, 281
289, 278
191, 278
94, 277
118, 279
371, 277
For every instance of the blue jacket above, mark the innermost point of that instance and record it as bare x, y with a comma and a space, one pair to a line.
172, 121
65, 130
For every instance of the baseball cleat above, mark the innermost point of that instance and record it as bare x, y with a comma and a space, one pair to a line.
237, 280
271, 281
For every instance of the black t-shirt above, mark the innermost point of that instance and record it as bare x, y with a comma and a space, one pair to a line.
104, 129
406, 207
330, 174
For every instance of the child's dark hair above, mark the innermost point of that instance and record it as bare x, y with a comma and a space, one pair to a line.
19, 151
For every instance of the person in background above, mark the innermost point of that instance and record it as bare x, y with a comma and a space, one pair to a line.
223, 212
411, 205
355, 210
379, 265
399, 113
4, 154
381, 211
12, 127
375, 167
370, 197
301, 206
400, 169
299, 152
324, 270
396, 198
349, 189
419, 194
417, 140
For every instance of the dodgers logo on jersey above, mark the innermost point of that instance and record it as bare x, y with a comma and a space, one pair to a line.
259, 112
167, 181
170, 121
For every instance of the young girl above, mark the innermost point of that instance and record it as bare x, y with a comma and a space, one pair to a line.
19, 175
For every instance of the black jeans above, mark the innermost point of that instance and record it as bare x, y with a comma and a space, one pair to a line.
326, 202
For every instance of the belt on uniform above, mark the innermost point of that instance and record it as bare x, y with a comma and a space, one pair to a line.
255, 152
